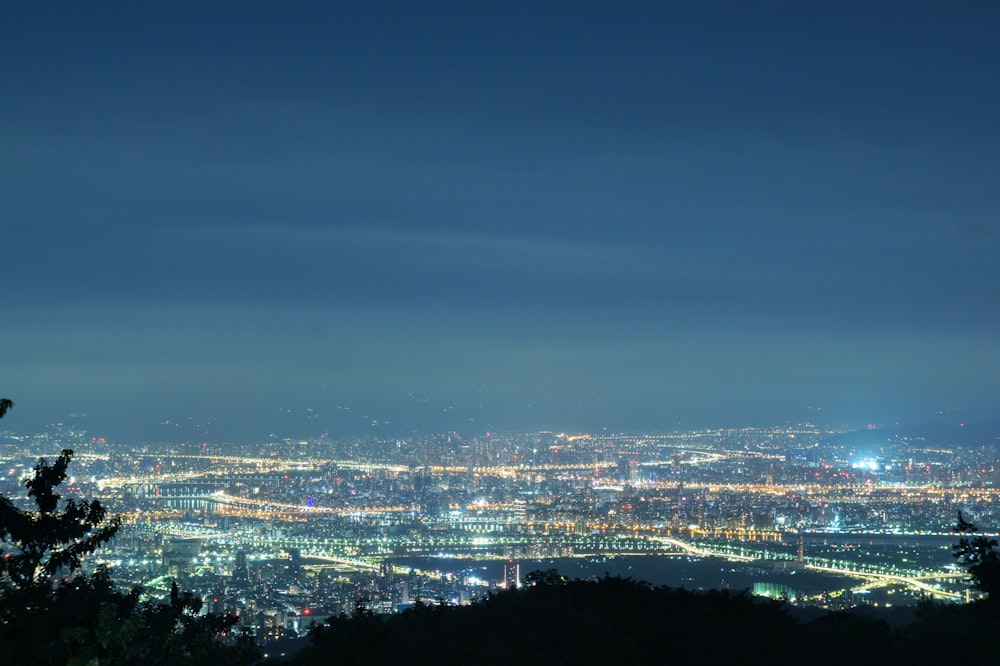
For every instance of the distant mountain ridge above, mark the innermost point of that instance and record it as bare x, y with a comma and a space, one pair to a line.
945, 434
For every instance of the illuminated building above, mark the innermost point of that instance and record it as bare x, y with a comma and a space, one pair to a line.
511, 574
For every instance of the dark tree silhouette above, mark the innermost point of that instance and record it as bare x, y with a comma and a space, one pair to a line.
85, 619
546, 577
963, 525
88, 621
37, 545
979, 557
5, 404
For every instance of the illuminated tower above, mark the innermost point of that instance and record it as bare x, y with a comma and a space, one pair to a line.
385, 575
634, 472
241, 574
511, 575
294, 561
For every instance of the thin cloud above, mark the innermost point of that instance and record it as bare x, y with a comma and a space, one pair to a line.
464, 249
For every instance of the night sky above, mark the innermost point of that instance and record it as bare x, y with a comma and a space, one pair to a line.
423, 216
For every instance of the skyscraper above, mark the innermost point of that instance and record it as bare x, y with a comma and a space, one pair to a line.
241, 575
511, 575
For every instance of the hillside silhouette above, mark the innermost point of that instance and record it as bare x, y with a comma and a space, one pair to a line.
618, 620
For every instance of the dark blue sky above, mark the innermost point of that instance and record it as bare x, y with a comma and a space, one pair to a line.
482, 215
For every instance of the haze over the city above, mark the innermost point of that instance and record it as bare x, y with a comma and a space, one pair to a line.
433, 216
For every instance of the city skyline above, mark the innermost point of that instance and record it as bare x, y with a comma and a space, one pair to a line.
267, 530
499, 216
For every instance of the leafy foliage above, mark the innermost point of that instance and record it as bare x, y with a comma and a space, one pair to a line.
545, 577
5, 405
88, 621
979, 556
81, 619
39, 545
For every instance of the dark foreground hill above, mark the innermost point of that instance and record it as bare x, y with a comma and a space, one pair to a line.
622, 621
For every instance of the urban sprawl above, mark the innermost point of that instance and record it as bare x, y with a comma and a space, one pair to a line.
289, 532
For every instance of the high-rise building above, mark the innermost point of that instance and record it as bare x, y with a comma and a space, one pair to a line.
294, 561
520, 511
385, 575
511, 574
241, 574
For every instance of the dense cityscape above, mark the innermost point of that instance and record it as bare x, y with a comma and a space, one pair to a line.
288, 533
499, 333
